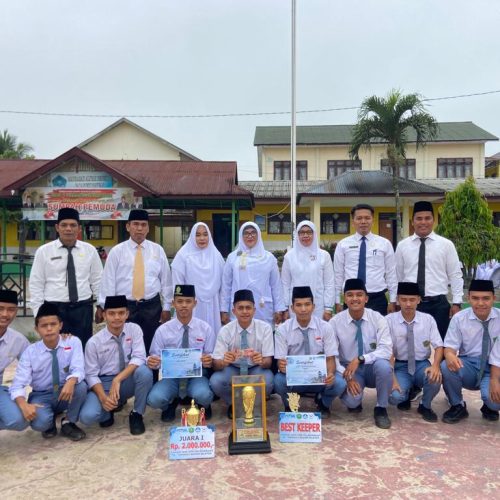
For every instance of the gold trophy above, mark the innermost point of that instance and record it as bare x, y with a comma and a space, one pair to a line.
248, 395
293, 401
193, 417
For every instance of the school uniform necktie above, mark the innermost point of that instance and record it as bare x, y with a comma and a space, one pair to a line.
243, 358
485, 350
183, 382
359, 336
71, 276
305, 341
121, 354
411, 348
421, 268
138, 279
362, 260
55, 371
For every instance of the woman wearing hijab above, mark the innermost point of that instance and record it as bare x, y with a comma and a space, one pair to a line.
199, 263
308, 265
252, 267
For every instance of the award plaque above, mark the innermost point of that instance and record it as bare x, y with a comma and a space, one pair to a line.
249, 433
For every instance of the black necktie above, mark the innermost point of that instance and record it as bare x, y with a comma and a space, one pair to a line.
421, 267
72, 289
362, 260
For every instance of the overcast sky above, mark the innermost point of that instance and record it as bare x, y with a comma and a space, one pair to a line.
197, 57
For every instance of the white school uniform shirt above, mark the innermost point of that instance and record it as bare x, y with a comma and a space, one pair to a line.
465, 333
309, 266
118, 272
442, 266
494, 358
260, 339
169, 336
35, 366
377, 342
48, 278
380, 264
12, 345
425, 335
102, 356
289, 341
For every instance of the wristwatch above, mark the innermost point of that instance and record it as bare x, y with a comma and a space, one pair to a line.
361, 359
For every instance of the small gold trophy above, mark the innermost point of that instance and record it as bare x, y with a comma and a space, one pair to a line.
293, 401
248, 396
193, 416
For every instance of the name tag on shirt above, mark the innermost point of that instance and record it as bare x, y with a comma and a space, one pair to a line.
56, 258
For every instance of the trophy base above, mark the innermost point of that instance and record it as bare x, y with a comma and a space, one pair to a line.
249, 447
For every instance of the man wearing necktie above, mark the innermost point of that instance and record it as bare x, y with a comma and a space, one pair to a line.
306, 334
67, 273
467, 347
243, 346
115, 368
365, 349
185, 332
432, 262
413, 334
368, 257
54, 368
139, 269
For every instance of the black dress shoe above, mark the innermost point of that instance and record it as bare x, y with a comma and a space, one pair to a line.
382, 420
168, 415
230, 412
405, 405
109, 422
427, 414
358, 409
414, 393
72, 431
455, 414
136, 423
325, 411
208, 412
287, 409
51, 432
489, 414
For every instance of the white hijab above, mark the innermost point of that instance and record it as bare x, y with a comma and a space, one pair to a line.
258, 249
305, 260
204, 264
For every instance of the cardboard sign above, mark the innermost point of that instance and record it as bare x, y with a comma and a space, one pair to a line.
300, 427
188, 443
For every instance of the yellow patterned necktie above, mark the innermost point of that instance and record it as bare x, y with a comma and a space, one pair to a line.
138, 276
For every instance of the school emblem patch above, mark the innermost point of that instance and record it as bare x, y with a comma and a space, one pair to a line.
373, 345
426, 343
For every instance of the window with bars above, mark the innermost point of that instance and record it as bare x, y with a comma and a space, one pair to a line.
282, 170
407, 171
338, 167
282, 223
454, 168
335, 223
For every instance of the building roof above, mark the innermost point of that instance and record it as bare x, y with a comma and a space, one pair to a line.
342, 134
183, 154
270, 190
489, 186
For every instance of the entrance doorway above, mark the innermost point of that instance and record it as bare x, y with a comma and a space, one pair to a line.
222, 233
387, 226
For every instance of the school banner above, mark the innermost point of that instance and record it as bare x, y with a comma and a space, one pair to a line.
43, 203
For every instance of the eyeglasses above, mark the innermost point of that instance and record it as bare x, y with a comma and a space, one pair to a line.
305, 233
250, 234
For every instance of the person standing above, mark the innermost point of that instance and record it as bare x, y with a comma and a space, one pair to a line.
12, 345
138, 269
198, 262
432, 262
308, 265
368, 257
67, 273
252, 267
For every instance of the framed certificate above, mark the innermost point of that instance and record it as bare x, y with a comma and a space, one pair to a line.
181, 363
306, 370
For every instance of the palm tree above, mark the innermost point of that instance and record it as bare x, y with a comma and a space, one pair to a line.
389, 120
10, 148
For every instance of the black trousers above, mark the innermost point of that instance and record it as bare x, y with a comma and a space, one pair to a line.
147, 315
77, 318
439, 308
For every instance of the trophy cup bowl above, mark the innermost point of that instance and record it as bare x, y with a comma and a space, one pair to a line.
248, 396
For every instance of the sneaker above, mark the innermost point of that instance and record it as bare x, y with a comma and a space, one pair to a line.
136, 423
358, 409
415, 393
208, 412
382, 420
169, 414
427, 413
72, 431
325, 411
489, 414
109, 422
455, 414
405, 405
230, 412
51, 432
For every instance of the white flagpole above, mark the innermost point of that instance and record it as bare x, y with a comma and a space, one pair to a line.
293, 138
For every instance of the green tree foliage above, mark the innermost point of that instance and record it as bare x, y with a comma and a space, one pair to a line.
468, 222
389, 120
10, 148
